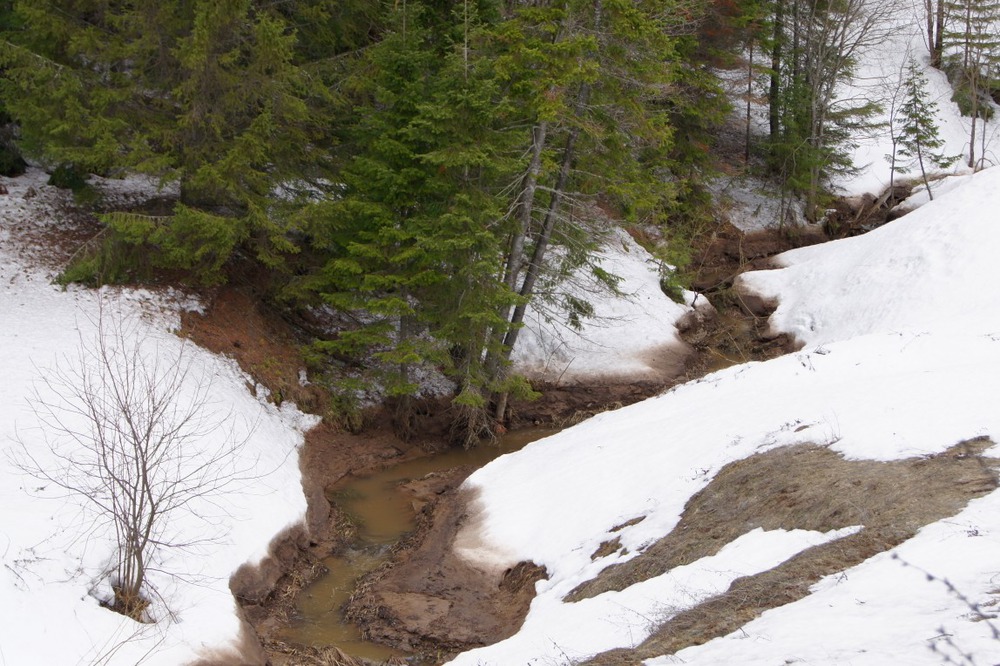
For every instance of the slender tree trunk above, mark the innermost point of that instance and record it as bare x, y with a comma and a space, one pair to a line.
934, 14
545, 236
982, 146
923, 171
548, 225
929, 19
541, 247
746, 146
937, 50
974, 93
526, 206
515, 258
774, 92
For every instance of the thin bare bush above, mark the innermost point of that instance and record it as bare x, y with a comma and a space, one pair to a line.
127, 428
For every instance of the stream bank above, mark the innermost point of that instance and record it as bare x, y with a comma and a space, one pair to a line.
405, 602
266, 348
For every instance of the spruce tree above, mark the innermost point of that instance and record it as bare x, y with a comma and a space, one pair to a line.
483, 127
215, 96
412, 238
590, 81
918, 138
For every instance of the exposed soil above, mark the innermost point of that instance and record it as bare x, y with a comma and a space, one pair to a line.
434, 605
424, 600
802, 487
427, 601
437, 603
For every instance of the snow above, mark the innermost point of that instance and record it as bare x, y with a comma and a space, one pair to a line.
52, 553
585, 628
876, 79
900, 358
901, 350
886, 610
625, 338
926, 272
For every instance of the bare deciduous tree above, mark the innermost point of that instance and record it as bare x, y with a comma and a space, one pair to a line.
129, 430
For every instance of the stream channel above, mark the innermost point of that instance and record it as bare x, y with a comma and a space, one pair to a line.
382, 513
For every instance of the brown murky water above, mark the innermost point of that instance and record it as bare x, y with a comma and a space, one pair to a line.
383, 514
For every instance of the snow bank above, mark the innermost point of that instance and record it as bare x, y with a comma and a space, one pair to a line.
886, 610
930, 271
902, 328
877, 79
53, 562
631, 336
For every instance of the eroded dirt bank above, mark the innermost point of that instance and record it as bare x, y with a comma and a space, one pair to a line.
424, 600
435, 604
802, 487
430, 602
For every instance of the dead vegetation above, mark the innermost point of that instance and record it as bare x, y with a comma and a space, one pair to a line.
803, 487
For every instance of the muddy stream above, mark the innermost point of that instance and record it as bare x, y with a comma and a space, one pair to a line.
383, 512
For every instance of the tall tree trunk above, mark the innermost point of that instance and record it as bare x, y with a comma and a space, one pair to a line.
923, 172
515, 258
774, 92
937, 48
548, 225
746, 143
929, 21
526, 206
973, 75
541, 247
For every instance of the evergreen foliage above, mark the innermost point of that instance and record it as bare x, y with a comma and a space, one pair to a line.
432, 161
918, 140
412, 237
214, 95
486, 130
973, 61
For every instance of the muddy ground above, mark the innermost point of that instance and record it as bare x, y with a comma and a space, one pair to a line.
424, 600
429, 603
434, 605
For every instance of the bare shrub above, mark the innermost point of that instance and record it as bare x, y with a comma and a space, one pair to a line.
129, 429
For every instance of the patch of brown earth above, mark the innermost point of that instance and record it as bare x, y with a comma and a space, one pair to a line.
424, 599
725, 252
801, 487
266, 346
563, 405
267, 592
428, 600
237, 324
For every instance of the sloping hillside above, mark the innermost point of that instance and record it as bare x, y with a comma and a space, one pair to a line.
843, 495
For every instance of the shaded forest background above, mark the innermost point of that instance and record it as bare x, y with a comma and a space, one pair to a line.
426, 169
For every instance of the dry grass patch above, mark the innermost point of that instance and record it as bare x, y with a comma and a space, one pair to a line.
803, 487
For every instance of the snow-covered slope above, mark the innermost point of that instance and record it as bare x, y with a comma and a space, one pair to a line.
899, 36
632, 335
886, 383
53, 564
929, 271
901, 359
